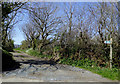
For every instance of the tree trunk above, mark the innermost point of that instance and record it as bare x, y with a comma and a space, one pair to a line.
33, 45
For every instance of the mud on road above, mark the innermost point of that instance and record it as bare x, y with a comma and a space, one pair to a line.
35, 69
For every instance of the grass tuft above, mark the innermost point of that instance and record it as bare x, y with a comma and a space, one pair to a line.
38, 54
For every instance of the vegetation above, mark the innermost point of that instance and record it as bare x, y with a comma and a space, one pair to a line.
90, 65
19, 49
38, 54
9, 11
8, 63
33, 53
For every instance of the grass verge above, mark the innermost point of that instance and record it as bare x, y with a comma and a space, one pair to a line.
112, 74
33, 53
18, 50
104, 72
38, 54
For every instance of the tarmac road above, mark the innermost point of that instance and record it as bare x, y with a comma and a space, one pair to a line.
35, 69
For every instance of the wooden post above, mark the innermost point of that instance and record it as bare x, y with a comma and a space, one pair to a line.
111, 53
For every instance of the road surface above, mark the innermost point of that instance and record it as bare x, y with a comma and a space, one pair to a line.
35, 69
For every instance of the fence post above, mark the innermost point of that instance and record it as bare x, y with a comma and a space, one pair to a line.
111, 53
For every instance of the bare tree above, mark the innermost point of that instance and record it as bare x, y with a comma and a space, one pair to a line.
68, 17
106, 21
44, 18
32, 34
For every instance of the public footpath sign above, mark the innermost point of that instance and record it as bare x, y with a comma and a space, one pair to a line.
107, 42
110, 42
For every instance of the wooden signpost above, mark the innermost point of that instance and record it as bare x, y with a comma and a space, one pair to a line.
110, 43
